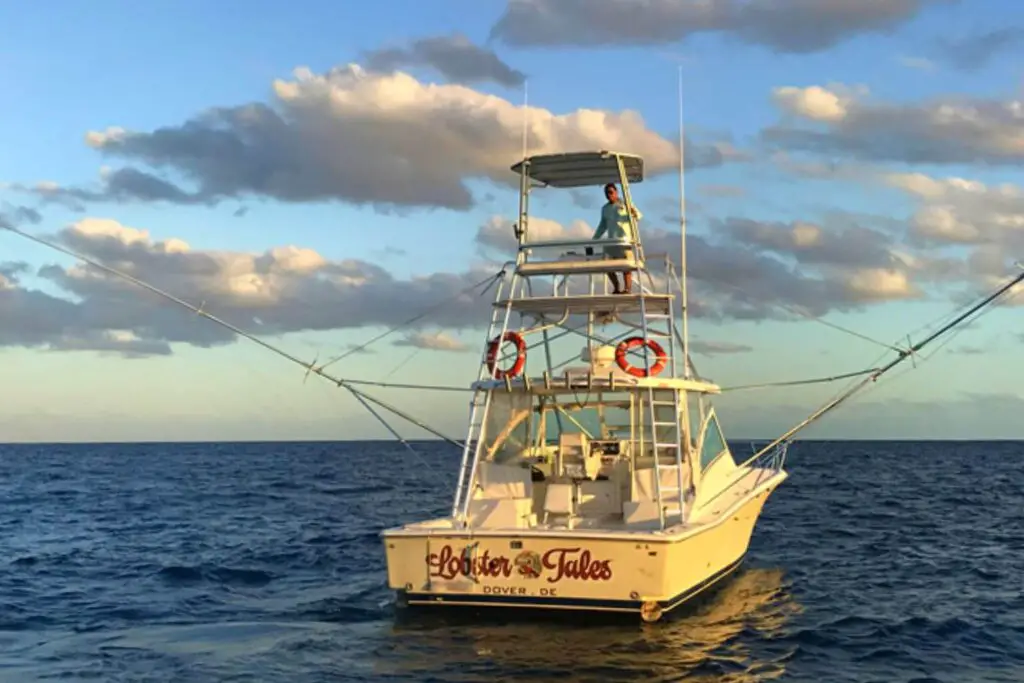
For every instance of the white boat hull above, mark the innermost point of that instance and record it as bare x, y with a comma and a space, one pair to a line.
643, 572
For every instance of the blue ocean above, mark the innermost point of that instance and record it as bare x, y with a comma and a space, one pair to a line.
876, 561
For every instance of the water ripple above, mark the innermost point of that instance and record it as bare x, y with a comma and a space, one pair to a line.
895, 562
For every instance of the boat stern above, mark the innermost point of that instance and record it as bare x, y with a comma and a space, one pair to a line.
498, 570
641, 574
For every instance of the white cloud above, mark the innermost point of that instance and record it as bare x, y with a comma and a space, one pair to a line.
881, 284
919, 63
975, 51
814, 102
714, 348
454, 56
283, 289
497, 233
385, 139
962, 211
941, 130
795, 26
436, 341
750, 270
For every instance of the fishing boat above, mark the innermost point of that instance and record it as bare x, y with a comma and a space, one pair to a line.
604, 486
608, 485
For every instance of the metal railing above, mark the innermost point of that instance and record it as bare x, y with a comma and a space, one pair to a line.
767, 463
563, 244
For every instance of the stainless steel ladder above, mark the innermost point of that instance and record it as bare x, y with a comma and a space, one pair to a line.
666, 431
480, 404
479, 407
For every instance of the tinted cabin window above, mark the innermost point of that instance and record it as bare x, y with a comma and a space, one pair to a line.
713, 443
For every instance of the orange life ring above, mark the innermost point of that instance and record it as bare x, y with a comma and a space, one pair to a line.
492, 355
627, 344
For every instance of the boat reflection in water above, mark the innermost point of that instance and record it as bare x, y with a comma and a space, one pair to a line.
731, 635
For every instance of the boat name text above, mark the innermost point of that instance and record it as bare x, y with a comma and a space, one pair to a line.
560, 563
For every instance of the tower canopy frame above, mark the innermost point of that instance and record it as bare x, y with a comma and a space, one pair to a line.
580, 169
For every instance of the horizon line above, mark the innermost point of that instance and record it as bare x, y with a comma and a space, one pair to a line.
296, 441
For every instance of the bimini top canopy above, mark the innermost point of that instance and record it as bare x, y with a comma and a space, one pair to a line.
579, 169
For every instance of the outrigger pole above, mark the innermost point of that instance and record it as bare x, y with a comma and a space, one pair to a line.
310, 367
878, 372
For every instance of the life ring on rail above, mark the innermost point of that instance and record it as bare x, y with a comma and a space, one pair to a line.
492, 355
655, 347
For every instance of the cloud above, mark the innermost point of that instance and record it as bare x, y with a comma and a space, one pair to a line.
974, 52
713, 348
496, 235
744, 270
969, 350
284, 289
9, 272
815, 103
919, 63
123, 343
436, 341
14, 214
811, 244
367, 138
731, 191
455, 57
944, 131
954, 214
857, 264
961, 211
787, 26
744, 279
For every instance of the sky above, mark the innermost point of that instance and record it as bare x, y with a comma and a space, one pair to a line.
318, 172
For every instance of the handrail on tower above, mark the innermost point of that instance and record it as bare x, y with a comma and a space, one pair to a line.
572, 170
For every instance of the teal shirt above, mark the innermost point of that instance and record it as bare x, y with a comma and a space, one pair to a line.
615, 222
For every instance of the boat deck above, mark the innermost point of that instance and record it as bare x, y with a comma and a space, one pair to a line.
607, 527
712, 512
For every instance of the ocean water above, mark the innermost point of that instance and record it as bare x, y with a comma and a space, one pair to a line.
886, 562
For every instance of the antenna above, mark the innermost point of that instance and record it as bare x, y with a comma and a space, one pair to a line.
524, 173
682, 235
526, 93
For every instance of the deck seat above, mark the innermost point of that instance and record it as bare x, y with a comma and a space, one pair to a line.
502, 513
558, 501
641, 510
494, 480
599, 498
502, 498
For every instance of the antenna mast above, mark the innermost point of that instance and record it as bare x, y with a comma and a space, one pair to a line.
682, 236
521, 225
526, 114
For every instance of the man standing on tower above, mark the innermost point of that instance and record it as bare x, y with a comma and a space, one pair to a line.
616, 225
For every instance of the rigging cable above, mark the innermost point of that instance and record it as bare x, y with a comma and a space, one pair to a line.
797, 311
340, 382
903, 355
798, 382
938, 322
489, 281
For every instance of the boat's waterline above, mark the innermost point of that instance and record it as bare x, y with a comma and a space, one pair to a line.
539, 569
